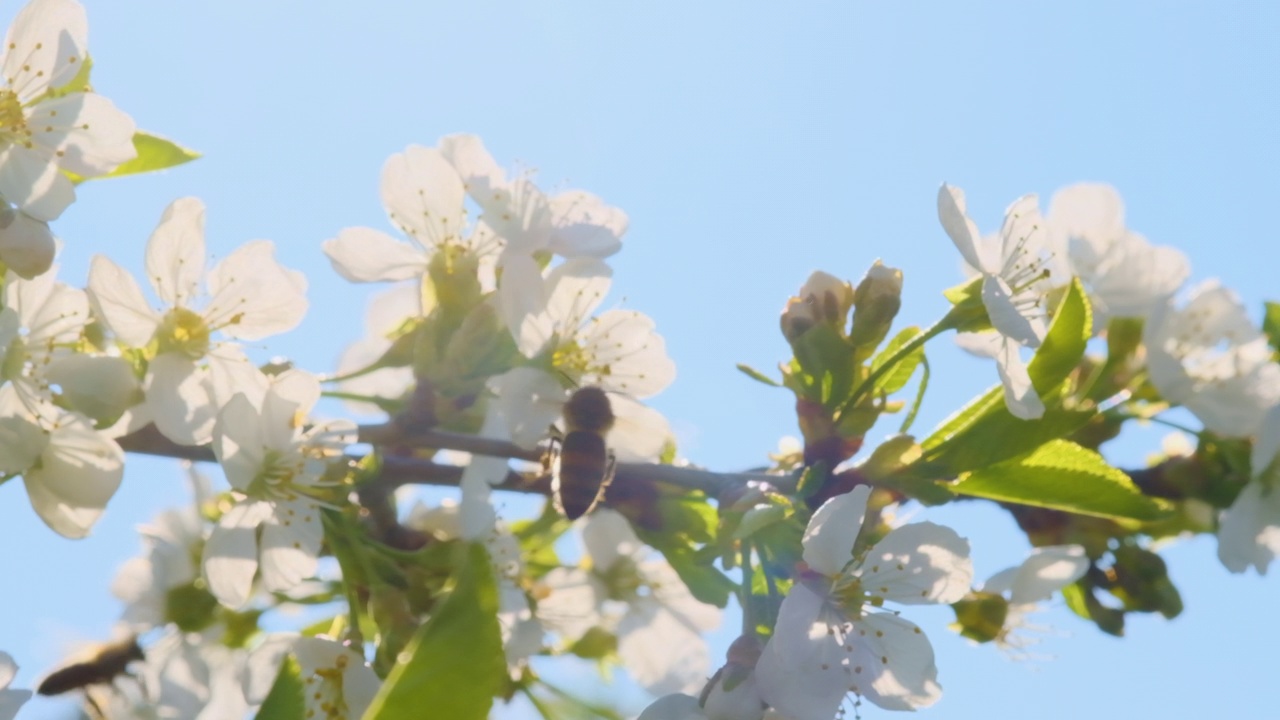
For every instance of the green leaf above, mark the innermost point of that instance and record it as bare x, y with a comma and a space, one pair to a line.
154, 153
456, 663
758, 376
1271, 324
998, 436
1062, 476
284, 702
827, 357
1063, 346
898, 376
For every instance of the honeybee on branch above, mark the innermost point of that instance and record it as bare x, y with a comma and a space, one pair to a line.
581, 464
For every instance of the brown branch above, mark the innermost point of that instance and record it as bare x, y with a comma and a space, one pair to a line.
401, 469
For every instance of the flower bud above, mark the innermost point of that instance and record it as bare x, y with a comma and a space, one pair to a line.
823, 299
876, 303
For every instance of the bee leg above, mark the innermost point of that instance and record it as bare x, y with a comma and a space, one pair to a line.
554, 442
97, 711
608, 475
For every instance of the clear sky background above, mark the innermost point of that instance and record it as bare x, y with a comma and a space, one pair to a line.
750, 143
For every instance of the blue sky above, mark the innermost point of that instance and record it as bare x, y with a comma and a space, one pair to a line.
750, 143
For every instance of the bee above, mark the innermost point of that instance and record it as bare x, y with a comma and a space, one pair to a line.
582, 465
101, 668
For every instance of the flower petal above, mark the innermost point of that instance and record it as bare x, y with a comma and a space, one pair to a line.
79, 472
1249, 532
253, 295
585, 226
803, 672
118, 300
26, 244
176, 252
33, 183
901, 660
1020, 394
424, 197
178, 399
83, 133
291, 540
45, 46
231, 553
962, 231
237, 442
1046, 571
365, 255
917, 564
833, 529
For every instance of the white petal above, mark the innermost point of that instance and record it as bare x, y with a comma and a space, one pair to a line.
366, 255
1092, 212
522, 300
803, 670
253, 295
424, 196
901, 660
237, 441
585, 226
26, 244
264, 665
962, 231
917, 564
79, 472
91, 133
100, 387
639, 432
609, 537
178, 399
291, 540
1022, 236
481, 176
1019, 393
21, 442
1249, 532
1007, 317
8, 669
52, 312
573, 605
118, 300
676, 706
646, 636
1046, 571
231, 553
530, 402
176, 252
574, 290
45, 46
833, 529
627, 355
31, 181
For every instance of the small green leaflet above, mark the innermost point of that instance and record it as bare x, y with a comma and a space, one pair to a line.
284, 702
1063, 346
1061, 475
456, 663
756, 375
154, 153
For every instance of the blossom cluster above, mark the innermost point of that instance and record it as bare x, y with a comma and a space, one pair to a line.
495, 318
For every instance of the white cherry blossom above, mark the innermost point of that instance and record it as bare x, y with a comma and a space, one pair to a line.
337, 683
1209, 356
834, 636
191, 374
277, 469
639, 598
70, 470
41, 134
571, 224
10, 700
39, 327
424, 197
1016, 273
1027, 586
1249, 531
1125, 274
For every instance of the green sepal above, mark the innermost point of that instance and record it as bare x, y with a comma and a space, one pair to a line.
758, 376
